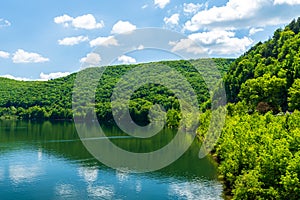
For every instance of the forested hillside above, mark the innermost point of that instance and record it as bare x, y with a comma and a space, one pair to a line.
53, 99
267, 77
259, 147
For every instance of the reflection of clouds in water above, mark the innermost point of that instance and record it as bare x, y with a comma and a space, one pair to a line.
89, 174
122, 176
1, 173
22, 173
103, 192
65, 191
138, 186
208, 190
40, 154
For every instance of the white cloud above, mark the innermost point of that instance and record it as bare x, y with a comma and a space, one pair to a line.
126, 59
64, 19
191, 8
252, 31
186, 45
15, 78
4, 54
161, 3
174, 19
53, 75
214, 43
123, 27
21, 56
4, 23
87, 21
237, 14
140, 47
144, 6
43, 77
234, 10
104, 41
91, 59
222, 42
70, 41
289, 2
211, 37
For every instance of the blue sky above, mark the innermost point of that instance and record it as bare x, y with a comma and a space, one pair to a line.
48, 39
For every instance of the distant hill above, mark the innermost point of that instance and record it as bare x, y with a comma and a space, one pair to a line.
267, 77
53, 99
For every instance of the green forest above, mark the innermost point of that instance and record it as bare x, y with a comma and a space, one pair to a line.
259, 148
38, 100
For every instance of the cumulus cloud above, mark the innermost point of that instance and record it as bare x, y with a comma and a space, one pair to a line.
289, 2
222, 42
174, 19
161, 3
187, 45
123, 27
252, 31
191, 8
70, 41
21, 56
145, 6
126, 59
91, 59
238, 14
234, 10
211, 37
213, 42
104, 41
43, 76
140, 47
4, 23
64, 19
15, 78
54, 75
87, 21
4, 54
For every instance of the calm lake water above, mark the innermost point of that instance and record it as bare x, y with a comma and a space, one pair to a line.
46, 160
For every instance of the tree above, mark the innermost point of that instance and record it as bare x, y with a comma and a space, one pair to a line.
294, 96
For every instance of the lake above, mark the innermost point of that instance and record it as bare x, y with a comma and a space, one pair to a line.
47, 160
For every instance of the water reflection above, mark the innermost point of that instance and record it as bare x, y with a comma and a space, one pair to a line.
48, 161
40, 154
24, 173
102, 192
90, 174
122, 176
194, 190
65, 191
1, 173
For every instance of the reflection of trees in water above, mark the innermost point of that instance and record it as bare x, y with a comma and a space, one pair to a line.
60, 139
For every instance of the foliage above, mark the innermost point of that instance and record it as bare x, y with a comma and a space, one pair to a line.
259, 155
275, 63
53, 99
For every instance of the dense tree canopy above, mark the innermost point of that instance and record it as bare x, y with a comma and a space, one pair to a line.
53, 99
275, 63
259, 147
